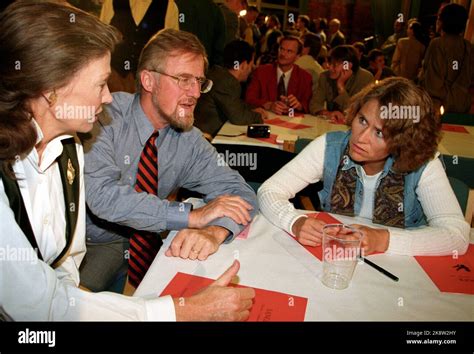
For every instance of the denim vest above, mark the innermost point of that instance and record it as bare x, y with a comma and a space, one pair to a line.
336, 143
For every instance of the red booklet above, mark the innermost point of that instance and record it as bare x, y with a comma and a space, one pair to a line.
268, 306
450, 274
454, 128
318, 250
296, 115
285, 124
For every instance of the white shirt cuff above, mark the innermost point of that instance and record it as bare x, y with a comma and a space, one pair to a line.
161, 309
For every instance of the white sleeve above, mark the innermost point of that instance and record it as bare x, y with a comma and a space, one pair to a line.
447, 231
273, 196
31, 290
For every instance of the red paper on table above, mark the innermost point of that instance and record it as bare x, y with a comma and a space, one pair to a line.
272, 139
451, 275
268, 306
297, 114
317, 251
285, 124
244, 233
454, 128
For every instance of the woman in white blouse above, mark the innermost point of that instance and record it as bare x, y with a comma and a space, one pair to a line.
54, 67
384, 169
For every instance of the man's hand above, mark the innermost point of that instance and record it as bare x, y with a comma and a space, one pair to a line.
292, 102
197, 243
379, 72
373, 240
263, 113
336, 117
279, 107
217, 302
308, 231
231, 206
333, 116
342, 79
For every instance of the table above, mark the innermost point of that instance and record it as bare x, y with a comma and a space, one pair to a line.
272, 260
318, 125
460, 144
452, 143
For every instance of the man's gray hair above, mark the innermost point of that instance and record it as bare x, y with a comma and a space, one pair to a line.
165, 44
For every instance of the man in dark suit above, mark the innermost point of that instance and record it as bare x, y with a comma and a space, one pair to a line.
336, 37
223, 102
282, 87
204, 19
138, 22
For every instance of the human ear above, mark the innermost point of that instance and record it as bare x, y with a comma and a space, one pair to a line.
147, 80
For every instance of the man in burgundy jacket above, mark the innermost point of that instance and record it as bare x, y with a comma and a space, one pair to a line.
282, 87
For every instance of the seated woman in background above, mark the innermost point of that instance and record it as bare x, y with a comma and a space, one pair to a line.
384, 169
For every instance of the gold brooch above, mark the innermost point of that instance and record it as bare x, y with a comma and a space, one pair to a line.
71, 173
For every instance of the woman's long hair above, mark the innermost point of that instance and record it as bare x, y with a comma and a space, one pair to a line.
42, 46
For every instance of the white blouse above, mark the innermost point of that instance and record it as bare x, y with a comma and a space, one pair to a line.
30, 289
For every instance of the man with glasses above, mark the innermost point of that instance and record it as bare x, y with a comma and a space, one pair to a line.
145, 149
283, 87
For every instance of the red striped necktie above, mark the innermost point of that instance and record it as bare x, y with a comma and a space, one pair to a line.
145, 245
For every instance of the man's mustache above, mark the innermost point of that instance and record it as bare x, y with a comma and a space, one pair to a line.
190, 101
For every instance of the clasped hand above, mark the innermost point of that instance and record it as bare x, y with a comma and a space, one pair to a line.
309, 232
286, 103
201, 240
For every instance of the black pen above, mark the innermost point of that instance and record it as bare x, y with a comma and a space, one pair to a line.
380, 269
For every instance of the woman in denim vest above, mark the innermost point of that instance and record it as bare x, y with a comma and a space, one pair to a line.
383, 170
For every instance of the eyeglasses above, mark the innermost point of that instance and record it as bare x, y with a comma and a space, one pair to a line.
186, 82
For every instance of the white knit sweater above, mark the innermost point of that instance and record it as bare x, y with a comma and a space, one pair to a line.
447, 232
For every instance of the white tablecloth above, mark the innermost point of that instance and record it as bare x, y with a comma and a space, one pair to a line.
272, 260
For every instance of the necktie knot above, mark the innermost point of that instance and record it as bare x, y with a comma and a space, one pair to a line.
153, 137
